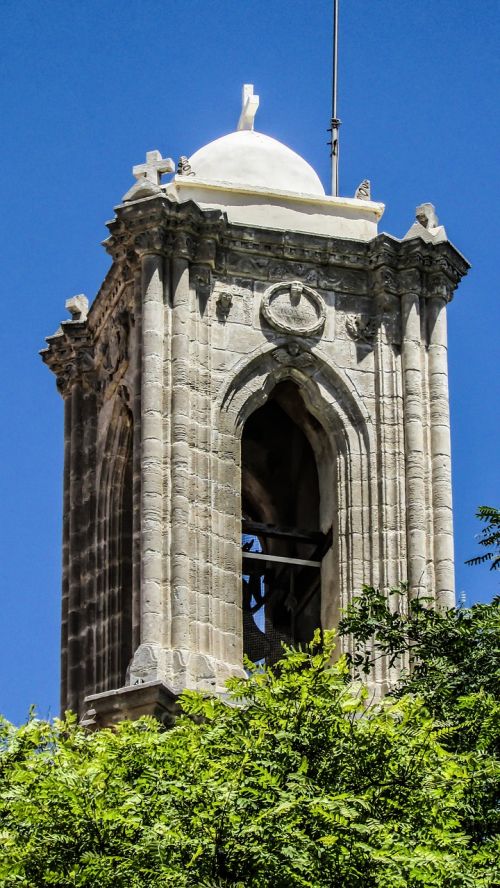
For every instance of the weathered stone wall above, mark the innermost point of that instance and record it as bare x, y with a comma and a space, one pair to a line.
196, 323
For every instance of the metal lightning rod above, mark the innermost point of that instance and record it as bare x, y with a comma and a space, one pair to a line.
335, 122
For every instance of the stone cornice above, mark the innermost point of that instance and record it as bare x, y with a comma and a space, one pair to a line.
70, 356
205, 238
159, 225
93, 352
385, 268
416, 266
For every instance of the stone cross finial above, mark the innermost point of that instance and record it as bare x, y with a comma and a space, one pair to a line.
249, 105
154, 167
78, 307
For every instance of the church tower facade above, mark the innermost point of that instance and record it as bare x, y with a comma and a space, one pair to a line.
256, 423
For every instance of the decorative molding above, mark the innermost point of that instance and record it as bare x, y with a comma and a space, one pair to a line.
293, 307
281, 270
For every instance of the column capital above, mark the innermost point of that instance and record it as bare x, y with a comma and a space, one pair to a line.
439, 286
410, 282
70, 356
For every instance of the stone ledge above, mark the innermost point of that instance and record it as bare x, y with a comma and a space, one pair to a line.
129, 703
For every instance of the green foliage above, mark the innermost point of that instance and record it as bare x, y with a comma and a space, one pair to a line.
452, 661
489, 537
453, 653
295, 780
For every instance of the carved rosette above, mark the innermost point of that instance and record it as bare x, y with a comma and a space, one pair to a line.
294, 307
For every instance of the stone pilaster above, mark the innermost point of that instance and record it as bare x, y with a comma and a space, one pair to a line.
147, 659
414, 438
388, 407
180, 471
75, 610
89, 552
137, 462
438, 296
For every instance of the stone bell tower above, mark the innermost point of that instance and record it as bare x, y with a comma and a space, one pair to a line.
256, 423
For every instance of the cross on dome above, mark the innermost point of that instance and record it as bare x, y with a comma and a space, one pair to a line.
249, 105
154, 167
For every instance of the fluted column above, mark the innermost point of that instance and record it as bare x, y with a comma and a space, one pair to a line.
440, 445
180, 585
414, 437
152, 449
137, 485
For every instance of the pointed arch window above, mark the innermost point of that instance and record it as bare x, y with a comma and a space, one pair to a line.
282, 543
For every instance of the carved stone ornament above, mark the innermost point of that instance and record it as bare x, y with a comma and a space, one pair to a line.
293, 354
112, 352
359, 329
200, 279
293, 307
224, 302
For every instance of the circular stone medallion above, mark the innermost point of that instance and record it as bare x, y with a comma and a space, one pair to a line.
292, 307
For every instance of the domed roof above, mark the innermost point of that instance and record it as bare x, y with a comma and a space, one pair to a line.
252, 159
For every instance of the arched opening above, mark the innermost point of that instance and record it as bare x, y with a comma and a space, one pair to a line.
283, 544
115, 548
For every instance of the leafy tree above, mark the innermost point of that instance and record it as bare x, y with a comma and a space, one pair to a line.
455, 672
296, 780
454, 653
489, 537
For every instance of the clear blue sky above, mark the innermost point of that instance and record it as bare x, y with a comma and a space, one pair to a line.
88, 87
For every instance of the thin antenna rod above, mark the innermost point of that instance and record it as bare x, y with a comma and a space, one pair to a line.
335, 122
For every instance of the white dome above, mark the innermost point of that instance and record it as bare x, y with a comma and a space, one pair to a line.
252, 159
